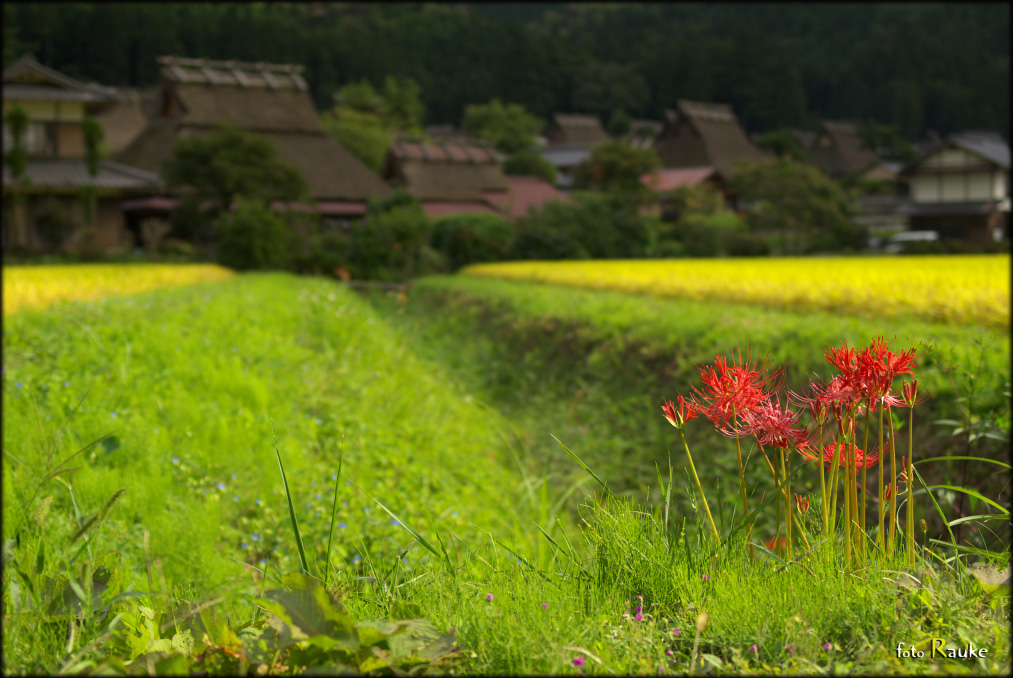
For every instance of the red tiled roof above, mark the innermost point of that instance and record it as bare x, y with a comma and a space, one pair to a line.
446, 209
669, 179
522, 194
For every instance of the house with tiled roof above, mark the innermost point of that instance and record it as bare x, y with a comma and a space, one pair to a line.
961, 188
270, 100
56, 105
838, 150
453, 179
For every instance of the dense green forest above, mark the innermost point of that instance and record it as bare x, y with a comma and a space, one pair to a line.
919, 66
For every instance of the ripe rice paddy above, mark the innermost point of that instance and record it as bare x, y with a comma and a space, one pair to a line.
41, 286
944, 289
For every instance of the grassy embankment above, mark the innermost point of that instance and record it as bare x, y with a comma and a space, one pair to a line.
194, 382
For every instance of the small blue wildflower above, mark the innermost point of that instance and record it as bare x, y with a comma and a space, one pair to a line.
262, 562
275, 549
255, 537
454, 514
393, 521
313, 484
344, 503
205, 493
244, 545
235, 497
342, 526
18, 384
175, 460
233, 476
45, 387
356, 559
259, 502
221, 486
66, 383
319, 498
318, 421
334, 476
112, 414
367, 510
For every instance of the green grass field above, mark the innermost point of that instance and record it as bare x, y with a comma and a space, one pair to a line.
439, 409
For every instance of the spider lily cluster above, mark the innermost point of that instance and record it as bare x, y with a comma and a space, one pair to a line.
745, 400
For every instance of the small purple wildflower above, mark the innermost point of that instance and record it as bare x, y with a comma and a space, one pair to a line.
753, 649
668, 652
639, 617
488, 598
706, 578
545, 606
661, 670
453, 631
827, 646
791, 648
578, 661
676, 631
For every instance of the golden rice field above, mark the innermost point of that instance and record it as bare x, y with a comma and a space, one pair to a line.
40, 286
973, 289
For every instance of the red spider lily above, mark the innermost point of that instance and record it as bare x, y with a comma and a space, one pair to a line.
731, 391
818, 408
888, 492
678, 417
773, 426
911, 397
862, 459
802, 503
867, 374
771, 544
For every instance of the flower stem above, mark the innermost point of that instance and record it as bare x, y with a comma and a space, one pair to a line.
893, 475
865, 469
699, 486
910, 483
882, 514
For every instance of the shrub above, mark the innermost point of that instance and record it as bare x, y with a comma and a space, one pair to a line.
466, 238
254, 238
53, 222
174, 248
387, 246
326, 252
711, 235
529, 163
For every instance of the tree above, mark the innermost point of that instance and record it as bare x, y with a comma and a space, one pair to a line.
807, 209
93, 135
886, 141
602, 87
783, 144
616, 167
364, 134
530, 164
229, 163
402, 107
17, 162
510, 128
619, 124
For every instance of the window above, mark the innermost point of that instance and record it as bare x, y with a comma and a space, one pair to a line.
39, 138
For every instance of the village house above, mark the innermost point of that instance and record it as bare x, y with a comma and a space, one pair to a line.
705, 138
569, 140
839, 152
57, 172
195, 96
961, 188
453, 179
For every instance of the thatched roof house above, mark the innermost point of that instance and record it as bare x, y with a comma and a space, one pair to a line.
195, 95
702, 135
571, 129
837, 150
463, 179
125, 119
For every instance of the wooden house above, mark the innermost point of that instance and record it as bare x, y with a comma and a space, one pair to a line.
56, 106
269, 100
961, 188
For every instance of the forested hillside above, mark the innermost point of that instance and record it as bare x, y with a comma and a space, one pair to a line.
919, 66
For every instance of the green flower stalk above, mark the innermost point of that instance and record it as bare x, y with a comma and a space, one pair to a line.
678, 418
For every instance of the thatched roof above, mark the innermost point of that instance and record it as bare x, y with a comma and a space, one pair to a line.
524, 194
701, 135
670, 179
445, 172
837, 150
572, 129
123, 120
70, 174
196, 95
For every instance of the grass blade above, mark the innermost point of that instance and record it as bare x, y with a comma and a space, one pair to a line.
973, 493
773, 495
291, 507
584, 466
422, 540
980, 516
334, 513
963, 458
